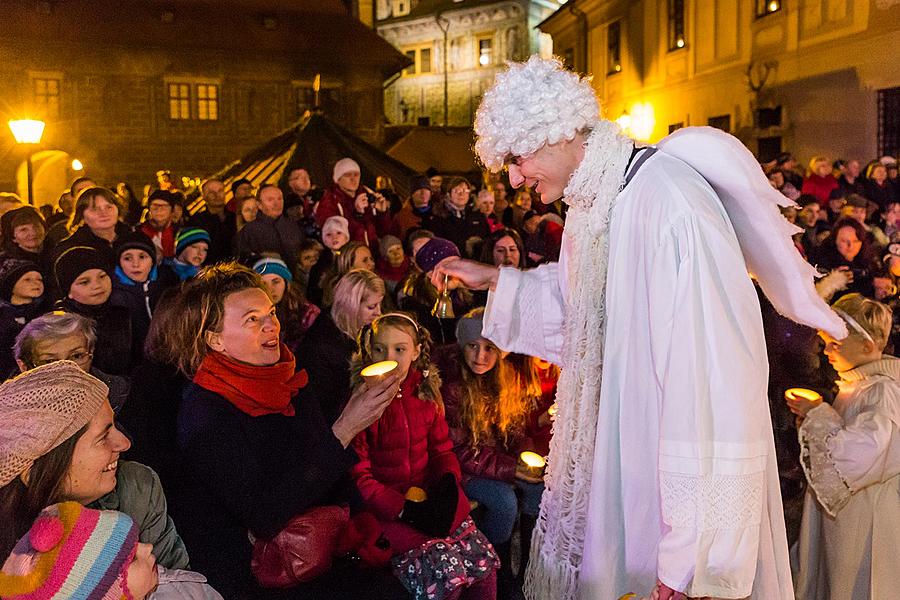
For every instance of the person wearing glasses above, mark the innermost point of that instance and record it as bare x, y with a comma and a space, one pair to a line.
65, 336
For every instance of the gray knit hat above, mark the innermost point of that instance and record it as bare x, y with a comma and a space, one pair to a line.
42, 408
468, 328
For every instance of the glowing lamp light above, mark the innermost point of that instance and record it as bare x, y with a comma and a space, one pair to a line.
27, 131
77, 165
618, 68
483, 60
533, 464
377, 371
803, 394
773, 6
642, 121
624, 121
680, 42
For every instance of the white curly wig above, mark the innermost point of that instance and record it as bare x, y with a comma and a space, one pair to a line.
531, 104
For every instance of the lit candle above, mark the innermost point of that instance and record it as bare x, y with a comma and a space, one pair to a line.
534, 464
552, 410
377, 371
803, 394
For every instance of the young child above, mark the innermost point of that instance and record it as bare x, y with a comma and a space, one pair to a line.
191, 248
295, 314
85, 554
851, 454
409, 447
21, 300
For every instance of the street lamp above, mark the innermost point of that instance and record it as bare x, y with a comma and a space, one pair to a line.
28, 132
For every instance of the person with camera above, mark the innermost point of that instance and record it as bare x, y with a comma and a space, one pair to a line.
847, 258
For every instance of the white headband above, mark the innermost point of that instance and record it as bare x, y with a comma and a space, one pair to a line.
854, 325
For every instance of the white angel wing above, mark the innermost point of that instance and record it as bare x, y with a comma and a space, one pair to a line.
763, 233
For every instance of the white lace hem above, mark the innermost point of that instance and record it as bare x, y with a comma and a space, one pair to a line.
708, 502
820, 425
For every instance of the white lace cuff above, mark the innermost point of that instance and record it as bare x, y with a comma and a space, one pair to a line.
820, 425
707, 502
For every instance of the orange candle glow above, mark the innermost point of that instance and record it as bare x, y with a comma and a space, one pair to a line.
376, 371
803, 394
534, 464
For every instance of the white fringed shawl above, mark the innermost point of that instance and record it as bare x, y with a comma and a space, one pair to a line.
558, 541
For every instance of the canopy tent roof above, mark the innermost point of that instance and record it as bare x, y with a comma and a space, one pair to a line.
315, 143
447, 149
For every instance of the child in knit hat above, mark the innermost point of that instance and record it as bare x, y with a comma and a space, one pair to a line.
83, 554
191, 249
393, 264
21, 300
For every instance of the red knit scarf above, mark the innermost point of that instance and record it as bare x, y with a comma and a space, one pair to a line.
252, 389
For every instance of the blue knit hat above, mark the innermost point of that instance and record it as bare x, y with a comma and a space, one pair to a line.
273, 266
188, 237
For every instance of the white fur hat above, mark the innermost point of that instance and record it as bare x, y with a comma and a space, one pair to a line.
531, 104
344, 166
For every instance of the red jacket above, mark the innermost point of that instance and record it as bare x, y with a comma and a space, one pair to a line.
335, 202
161, 238
407, 446
820, 187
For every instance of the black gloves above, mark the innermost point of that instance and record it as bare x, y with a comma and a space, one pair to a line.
434, 516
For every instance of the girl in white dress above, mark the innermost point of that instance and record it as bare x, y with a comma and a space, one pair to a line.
849, 546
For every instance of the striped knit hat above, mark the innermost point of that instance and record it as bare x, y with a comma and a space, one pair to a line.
72, 552
188, 237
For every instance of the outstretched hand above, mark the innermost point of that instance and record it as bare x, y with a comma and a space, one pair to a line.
471, 274
365, 406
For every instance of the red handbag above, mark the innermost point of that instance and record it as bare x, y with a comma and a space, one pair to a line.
302, 551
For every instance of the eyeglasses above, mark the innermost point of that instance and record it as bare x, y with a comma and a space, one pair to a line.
79, 357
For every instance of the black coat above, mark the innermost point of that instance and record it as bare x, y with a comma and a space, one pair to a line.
141, 299
251, 473
458, 229
221, 233
265, 234
113, 350
13, 319
325, 353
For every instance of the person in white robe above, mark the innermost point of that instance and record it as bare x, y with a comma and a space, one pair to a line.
663, 476
850, 451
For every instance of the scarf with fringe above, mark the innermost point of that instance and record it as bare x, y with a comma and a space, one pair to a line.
558, 540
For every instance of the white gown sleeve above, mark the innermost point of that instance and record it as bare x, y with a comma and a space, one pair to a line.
711, 367
525, 313
840, 458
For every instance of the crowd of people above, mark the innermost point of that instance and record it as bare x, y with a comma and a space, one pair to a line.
185, 380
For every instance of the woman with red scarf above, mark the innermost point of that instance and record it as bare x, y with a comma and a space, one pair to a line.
253, 438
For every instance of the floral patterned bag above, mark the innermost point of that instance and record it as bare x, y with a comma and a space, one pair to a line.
438, 567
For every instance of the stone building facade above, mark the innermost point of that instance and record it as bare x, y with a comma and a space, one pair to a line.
480, 36
809, 76
130, 87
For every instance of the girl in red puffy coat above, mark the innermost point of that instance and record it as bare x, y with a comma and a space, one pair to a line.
437, 550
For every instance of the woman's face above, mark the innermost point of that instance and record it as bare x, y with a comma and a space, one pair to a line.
879, 174
250, 329
395, 255
29, 236
72, 347
276, 286
506, 252
369, 308
396, 343
30, 286
249, 210
92, 287
95, 460
524, 201
481, 356
459, 196
822, 168
848, 244
142, 575
362, 259
195, 254
335, 238
136, 264
101, 214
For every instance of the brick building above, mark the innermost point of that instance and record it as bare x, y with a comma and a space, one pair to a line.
130, 86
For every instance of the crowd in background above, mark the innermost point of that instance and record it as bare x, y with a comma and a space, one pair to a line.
214, 391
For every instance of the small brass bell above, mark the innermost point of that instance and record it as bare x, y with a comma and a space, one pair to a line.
443, 306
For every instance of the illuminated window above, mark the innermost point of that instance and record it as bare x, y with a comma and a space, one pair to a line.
46, 96
421, 58
677, 41
207, 102
614, 48
767, 7
401, 8
179, 101
485, 56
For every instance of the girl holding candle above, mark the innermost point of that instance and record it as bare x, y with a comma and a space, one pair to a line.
492, 419
851, 454
409, 447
